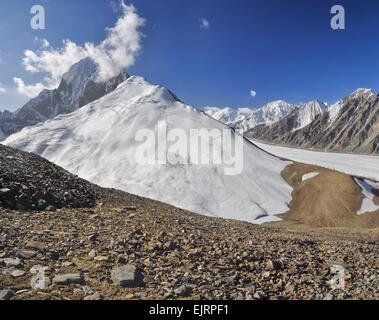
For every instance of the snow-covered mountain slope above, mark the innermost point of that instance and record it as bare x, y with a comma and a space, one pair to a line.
97, 142
245, 118
307, 113
333, 111
77, 88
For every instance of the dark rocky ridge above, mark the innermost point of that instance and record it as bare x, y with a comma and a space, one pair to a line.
29, 182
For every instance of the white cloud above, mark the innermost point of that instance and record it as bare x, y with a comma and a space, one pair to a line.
30, 91
44, 43
204, 24
117, 52
253, 93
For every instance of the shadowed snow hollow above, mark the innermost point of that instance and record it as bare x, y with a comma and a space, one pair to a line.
97, 142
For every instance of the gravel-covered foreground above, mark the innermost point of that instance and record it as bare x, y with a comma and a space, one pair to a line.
62, 237
129, 247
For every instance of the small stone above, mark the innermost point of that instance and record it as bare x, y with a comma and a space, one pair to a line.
92, 253
38, 268
66, 279
22, 291
40, 281
17, 273
141, 294
87, 290
5, 294
11, 262
127, 276
35, 245
183, 291
68, 264
96, 296
92, 237
26, 254
7, 272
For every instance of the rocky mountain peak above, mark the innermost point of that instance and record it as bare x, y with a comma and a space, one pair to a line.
360, 93
314, 104
80, 71
78, 87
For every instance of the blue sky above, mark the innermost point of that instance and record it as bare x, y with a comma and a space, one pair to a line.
280, 49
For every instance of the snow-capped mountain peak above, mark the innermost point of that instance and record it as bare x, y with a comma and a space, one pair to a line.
77, 88
360, 93
275, 110
80, 72
246, 118
308, 112
226, 115
314, 104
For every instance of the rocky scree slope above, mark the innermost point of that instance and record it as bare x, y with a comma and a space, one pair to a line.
29, 182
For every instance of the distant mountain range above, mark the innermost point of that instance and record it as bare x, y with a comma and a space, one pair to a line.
77, 88
351, 124
245, 118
